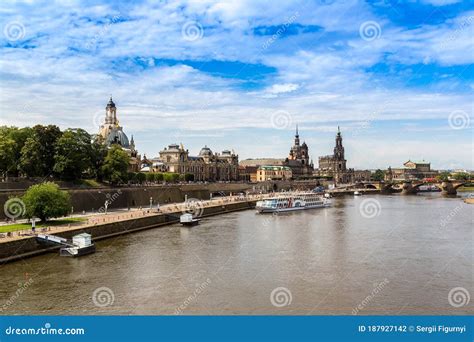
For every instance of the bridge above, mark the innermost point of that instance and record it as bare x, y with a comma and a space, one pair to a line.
409, 187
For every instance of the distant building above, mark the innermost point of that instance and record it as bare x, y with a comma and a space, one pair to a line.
273, 172
412, 170
248, 173
112, 133
207, 166
335, 166
298, 159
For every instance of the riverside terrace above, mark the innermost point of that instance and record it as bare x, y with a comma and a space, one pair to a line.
22, 244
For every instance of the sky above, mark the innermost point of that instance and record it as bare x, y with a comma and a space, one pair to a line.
396, 76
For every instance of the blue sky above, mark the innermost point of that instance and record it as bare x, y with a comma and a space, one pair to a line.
397, 76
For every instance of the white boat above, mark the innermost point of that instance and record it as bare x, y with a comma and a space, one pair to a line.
188, 220
292, 201
357, 193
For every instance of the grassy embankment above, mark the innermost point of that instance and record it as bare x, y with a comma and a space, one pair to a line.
22, 226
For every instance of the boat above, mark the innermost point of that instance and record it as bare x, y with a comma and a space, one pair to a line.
357, 193
291, 202
188, 220
81, 245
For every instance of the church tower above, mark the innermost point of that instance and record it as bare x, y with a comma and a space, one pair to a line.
297, 137
339, 149
111, 113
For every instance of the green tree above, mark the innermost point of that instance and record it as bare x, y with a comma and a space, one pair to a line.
131, 177
462, 176
159, 177
46, 201
188, 177
171, 177
7, 155
150, 177
12, 140
73, 154
443, 176
98, 154
116, 165
38, 151
141, 177
378, 175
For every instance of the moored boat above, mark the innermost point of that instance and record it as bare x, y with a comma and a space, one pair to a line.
292, 201
188, 220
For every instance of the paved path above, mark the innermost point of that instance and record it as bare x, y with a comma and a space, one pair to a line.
118, 215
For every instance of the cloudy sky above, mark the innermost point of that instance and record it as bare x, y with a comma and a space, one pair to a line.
396, 76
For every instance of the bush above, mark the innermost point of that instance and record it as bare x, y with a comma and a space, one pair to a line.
150, 177
158, 177
141, 177
46, 201
171, 177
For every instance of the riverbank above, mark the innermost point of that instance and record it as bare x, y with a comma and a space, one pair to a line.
101, 227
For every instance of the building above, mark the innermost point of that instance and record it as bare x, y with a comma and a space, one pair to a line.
207, 166
335, 166
248, 173
412, 170
298, 159
111, 132
248, 167
273, 172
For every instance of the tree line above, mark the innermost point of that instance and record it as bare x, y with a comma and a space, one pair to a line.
46, 151
72, 154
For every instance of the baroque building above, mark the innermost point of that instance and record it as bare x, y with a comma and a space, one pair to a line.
267, 172
335, 165
298, 158
112, 133
412, 170
207, 166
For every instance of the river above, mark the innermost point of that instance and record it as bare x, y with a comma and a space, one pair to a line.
375, 254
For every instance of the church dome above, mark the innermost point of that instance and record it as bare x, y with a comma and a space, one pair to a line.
205, 151
117, 136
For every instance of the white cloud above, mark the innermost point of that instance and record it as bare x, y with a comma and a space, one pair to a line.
321, 78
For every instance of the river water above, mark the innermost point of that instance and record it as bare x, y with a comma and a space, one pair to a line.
364, 255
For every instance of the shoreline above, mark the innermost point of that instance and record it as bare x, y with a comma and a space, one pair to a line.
20, 247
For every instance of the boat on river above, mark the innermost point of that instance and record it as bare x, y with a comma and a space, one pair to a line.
292, 202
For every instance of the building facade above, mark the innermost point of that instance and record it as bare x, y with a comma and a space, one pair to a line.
272, 172
207, 166
110, 132
412, 170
